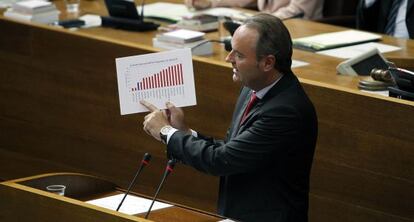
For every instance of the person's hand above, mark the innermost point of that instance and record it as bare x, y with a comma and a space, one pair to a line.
176, 117
198, 4
154, 121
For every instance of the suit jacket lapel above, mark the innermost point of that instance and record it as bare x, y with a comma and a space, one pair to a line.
283, 83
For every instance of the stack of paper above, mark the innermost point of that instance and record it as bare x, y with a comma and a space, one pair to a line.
183, 38
199, 23
334, 40
33, 10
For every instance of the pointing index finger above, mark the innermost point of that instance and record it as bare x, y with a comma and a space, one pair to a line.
149, 106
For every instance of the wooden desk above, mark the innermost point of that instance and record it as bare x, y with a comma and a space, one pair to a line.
26, 199
60, 112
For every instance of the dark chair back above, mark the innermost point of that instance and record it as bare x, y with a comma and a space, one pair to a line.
340, 12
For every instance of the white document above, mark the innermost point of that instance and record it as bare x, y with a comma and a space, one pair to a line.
175, 12
298, 63
356, 50
156, 78
229, 12
171, 11
132, 204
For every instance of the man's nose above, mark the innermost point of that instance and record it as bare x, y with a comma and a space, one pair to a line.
229, 57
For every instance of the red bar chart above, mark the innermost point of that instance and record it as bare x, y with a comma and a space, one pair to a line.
169, 77
167, 83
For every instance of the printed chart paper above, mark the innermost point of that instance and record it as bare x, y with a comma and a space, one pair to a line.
156, 78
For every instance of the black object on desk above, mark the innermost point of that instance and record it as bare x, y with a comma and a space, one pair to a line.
405, 84
127, 24
124, 15
72, 23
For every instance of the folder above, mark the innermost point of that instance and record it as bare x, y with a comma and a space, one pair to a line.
334, 40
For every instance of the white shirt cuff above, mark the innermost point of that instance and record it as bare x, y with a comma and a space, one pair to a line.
173, 130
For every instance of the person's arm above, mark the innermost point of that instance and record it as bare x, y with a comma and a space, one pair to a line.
233, 3
203, 4
256, 147
310, 9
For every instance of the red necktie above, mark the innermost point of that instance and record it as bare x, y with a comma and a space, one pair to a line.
252, 101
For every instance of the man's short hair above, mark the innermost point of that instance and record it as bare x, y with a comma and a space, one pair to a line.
274, 39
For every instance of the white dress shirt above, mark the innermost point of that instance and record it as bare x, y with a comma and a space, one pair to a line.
401, 30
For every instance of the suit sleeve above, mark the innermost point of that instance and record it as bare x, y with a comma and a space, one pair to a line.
256, 147
311, 9
233, 3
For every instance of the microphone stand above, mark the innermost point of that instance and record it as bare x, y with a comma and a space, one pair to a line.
168, 170
144, 162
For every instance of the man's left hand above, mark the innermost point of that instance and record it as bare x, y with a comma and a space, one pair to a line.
154, 121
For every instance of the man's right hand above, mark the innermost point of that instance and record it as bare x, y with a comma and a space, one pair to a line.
176, 118
198, 4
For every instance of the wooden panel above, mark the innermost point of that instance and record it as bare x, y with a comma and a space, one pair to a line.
370, 190
325, 209
363, 132
363, 162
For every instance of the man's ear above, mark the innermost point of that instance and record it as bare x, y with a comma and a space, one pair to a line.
268, 62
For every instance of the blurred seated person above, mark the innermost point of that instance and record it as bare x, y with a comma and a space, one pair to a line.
391, 17
283, 9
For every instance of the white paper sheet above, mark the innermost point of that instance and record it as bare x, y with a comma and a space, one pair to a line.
355, 50
381, 93
91, 20
132, 204
156, 78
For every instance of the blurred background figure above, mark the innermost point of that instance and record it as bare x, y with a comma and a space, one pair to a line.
283, 9
391, 17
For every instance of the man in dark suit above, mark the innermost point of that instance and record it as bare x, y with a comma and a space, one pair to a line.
264, 163
392, 17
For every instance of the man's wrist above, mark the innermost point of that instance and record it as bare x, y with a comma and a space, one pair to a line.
165, 130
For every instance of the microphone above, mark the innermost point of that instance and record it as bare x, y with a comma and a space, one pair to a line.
168, 170
142, 10
144, 162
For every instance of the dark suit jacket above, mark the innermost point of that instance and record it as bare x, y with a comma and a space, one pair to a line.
374, 18
265, 163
